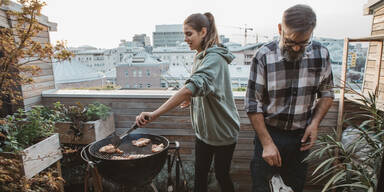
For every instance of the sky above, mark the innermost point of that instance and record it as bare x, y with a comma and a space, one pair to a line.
103, 24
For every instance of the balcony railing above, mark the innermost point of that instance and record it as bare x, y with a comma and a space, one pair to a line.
176, 124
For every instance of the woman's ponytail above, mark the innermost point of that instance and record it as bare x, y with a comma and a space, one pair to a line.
197, 21
212, 37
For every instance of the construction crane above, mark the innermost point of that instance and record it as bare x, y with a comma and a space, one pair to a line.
245, 33
245, 28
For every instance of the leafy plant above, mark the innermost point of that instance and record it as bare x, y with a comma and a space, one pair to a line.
239, 89
356, 165
82, 113
25, 128
78, 114
97, 111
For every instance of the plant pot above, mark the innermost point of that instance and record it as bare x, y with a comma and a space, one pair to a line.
38, 156
90, 131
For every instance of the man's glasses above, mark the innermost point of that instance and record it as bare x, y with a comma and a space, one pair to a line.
290, 43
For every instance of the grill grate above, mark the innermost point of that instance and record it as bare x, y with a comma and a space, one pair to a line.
127, 147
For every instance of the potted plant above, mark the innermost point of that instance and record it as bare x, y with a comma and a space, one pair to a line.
83, 124
359, 153
28, 136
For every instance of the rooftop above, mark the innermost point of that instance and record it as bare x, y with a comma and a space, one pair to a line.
73, 71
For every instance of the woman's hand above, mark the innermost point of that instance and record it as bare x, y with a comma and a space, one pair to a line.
184, 94
145, 118
186, 103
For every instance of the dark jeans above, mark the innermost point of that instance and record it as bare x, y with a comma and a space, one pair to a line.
293, 170
222, 155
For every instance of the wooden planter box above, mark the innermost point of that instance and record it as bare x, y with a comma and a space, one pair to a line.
91, 131
38, 156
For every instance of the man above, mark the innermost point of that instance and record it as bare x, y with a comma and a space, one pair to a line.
289, 92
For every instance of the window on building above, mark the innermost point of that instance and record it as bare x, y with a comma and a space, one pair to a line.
140, 85
140, 73
149, 85
126, 73
134, 73
163, 85
148, 73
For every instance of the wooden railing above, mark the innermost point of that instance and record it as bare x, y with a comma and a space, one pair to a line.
176, 124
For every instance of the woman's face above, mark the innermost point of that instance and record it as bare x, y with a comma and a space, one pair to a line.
193, 37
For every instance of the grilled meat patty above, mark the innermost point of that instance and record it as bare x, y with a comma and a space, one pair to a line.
141, 142
110, 149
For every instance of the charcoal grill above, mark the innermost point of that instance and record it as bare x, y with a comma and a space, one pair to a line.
133, 172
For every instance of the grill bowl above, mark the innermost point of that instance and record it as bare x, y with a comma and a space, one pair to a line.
134, 172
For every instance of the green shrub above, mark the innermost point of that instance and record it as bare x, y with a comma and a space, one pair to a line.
25, 128
97, 111
348, 171
82, 113
239, 89
79, 113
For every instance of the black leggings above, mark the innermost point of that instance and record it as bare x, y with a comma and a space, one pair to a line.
222, 157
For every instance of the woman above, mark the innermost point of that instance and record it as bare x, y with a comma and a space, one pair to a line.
213, 111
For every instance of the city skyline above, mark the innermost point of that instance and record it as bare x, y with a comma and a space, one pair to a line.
103, 25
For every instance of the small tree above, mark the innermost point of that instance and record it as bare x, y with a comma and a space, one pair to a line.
20, 50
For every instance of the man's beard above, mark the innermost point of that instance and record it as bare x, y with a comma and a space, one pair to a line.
292, 55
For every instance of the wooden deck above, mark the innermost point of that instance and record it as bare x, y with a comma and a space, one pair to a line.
176, 124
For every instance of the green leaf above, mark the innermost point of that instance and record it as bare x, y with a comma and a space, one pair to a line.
332, 180
330, 160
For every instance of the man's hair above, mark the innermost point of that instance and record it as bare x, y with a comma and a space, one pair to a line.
300, 18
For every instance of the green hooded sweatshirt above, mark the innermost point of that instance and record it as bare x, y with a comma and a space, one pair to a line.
213, 110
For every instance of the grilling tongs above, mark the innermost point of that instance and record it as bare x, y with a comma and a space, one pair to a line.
116, 140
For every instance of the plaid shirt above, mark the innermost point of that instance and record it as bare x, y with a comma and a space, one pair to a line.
285, 92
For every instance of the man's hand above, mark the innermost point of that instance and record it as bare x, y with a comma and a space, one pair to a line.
311, 134
271, 155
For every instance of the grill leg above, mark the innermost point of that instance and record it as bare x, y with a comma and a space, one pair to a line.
177, 174
154, 187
